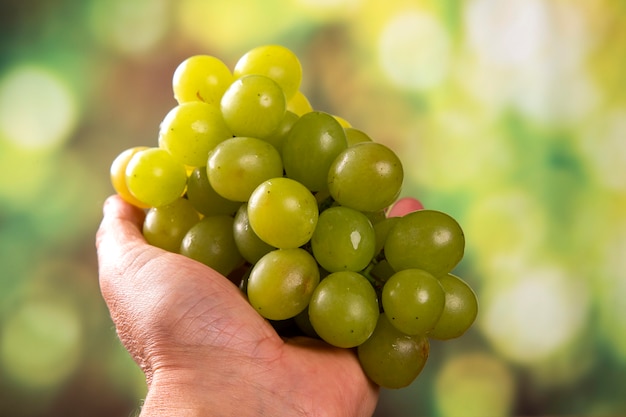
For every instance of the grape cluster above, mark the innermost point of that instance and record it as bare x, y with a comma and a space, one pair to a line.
296, 206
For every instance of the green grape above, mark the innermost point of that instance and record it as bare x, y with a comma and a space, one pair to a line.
460, 310
278, 136
391, 358
201, 77
413, 300
166, 226
274, 61
190, 130
204, 198
344, 309
299, 104
118, 175
381, 230
155, 178
283, 213
238, 165
354, 136
425, 239
211, 242
281, 283
251, 247
343, 122
315, 140
253, 106
367, 177
343, 240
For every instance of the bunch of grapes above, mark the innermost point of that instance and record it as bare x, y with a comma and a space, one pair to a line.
296, 207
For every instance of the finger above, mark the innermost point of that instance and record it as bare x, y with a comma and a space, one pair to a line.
121, 221
120, 245
404, 206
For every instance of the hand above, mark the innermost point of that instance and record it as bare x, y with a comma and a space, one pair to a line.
204, 350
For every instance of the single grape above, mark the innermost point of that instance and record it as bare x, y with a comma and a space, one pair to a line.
204, 198
354, 136
283, 213
273, 61
413, 300
211, 242
166, 226
299, 104
425, 239
155, 178
392, 359
201, 77
251, 247
460, 310
281, 283
343, 240
118, 175
238, 165
343, 122
344, 309
278, 136
314, 142
254, 106
190, 130
381, 230
367, 177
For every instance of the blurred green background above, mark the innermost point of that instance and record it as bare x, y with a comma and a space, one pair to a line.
508, 114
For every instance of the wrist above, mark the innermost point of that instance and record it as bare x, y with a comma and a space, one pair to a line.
215, 390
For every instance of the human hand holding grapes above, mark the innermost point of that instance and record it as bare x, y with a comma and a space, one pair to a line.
203, 348
299, 210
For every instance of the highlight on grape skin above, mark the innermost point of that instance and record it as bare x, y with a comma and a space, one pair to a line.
300, 210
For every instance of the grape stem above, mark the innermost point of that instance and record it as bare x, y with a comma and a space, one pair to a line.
377, 282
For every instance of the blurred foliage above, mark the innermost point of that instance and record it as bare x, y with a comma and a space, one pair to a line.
509, 115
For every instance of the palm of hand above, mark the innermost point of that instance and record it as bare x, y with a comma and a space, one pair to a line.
179, 317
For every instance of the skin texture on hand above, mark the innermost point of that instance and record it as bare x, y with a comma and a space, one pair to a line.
204, 350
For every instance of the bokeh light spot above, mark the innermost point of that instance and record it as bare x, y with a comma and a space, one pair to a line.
507, 33
41, 343
474, 385
130, 27
328, 9
414, 50
229, 27
502, 227
458, 151
37, 109
610, 282
535, 313
603, 144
